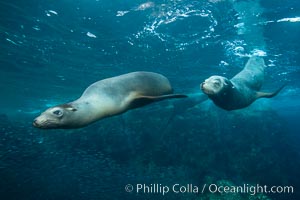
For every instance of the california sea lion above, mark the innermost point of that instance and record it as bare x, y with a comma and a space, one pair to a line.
241, 90
107, 98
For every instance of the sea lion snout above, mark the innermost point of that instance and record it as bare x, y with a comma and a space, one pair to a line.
34, 123
44, 123
206, 87
38, 123
201, 85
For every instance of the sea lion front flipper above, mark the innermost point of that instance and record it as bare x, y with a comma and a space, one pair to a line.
269, 94
140, 101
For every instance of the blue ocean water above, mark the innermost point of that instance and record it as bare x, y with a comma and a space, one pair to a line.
52, 50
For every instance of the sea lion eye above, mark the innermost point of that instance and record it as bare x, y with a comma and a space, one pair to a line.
216, 83
58, 113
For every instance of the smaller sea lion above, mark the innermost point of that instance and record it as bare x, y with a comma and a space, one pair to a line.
240, 91
106, 98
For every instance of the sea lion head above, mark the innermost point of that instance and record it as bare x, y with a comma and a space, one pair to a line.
215, 85
61, 116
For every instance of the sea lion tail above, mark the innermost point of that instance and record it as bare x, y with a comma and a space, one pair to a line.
269, 94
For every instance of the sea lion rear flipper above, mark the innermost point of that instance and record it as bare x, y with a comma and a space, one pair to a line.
140, 101
269, 94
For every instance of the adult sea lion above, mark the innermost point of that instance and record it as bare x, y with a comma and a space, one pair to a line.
241, 90
108, 97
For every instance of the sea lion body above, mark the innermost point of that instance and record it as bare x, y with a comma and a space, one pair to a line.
240, 91
108, 97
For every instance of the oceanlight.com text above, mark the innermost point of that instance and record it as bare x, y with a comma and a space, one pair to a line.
176, 188
250, 189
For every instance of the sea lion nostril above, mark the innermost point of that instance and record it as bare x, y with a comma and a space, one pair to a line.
201, 85
35, 122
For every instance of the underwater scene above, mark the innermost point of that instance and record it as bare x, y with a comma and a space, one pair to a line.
202, 100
